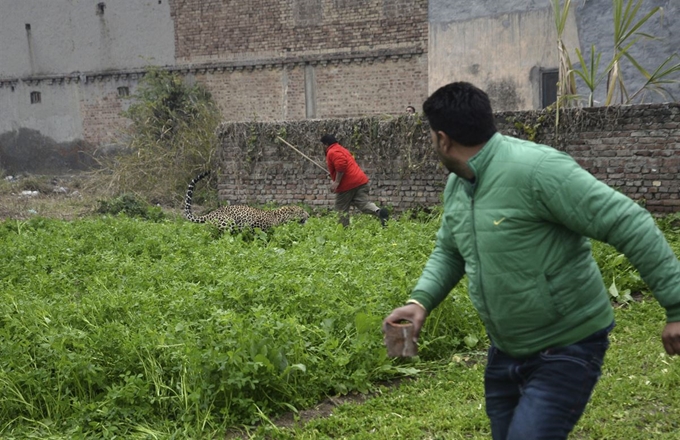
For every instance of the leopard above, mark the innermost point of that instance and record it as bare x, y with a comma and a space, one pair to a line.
236, 218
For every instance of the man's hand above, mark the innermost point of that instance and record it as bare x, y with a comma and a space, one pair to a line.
671, 338
410, 312
334, 185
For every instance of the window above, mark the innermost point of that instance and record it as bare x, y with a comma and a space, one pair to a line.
100, 8
28, 27
549, 79
123, 91
35, 97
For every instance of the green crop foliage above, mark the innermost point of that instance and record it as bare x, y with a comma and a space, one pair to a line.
121, 327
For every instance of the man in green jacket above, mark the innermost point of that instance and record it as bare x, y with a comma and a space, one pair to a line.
517, 218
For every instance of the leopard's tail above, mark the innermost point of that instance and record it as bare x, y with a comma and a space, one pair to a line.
187, 200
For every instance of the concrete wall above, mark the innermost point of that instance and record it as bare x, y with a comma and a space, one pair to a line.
76, 54
75, 117
68, 36
502, 46
502, 54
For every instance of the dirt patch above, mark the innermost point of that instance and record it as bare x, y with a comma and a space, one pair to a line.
323, 409
25, 196
64, 197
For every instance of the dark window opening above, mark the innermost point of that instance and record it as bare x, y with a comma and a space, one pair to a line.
35, 97
123, 91
28, 26
549, 79
100, 8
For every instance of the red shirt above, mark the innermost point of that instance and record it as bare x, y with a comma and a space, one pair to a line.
340, 160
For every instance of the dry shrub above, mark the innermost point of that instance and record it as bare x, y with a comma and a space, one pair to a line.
170, 138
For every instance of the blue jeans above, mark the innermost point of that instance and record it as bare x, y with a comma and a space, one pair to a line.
542, 396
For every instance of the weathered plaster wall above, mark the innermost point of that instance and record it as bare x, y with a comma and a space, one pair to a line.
501, 54
75, 117
57, 113
68, 36
76, 54
444, 11
501, 46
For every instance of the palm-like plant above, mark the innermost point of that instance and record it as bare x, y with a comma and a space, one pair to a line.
656, 80
566, 88
588, 72
626, 34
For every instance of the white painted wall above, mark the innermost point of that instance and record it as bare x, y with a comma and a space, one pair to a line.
70, 36
57, 115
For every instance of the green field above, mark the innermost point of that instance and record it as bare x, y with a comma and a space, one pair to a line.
115, 327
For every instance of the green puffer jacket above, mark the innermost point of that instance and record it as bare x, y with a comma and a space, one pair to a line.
519, 233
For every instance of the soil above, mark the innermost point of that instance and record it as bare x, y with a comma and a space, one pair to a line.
64, 197
26, 196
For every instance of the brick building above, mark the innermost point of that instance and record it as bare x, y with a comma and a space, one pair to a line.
65, 85
67, 67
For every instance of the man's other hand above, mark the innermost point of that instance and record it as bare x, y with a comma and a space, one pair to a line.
671, 338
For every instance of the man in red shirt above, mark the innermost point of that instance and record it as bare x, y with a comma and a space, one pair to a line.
349, 182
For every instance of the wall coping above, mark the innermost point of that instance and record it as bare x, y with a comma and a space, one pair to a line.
229, 66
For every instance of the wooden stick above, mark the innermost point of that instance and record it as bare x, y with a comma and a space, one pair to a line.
303, 154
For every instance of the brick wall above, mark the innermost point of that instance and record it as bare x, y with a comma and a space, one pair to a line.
255, 168
342, 88
210, 30
635, 149
102, 118
267, 60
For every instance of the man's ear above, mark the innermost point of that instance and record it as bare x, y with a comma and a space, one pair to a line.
444, 141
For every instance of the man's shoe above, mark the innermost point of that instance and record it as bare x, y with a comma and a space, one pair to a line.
383, 215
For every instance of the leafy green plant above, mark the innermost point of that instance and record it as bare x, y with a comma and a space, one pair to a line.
115, 327
130, 205
625, 36
589, 72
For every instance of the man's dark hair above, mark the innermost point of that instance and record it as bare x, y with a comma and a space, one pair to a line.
463, 112
328, 140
